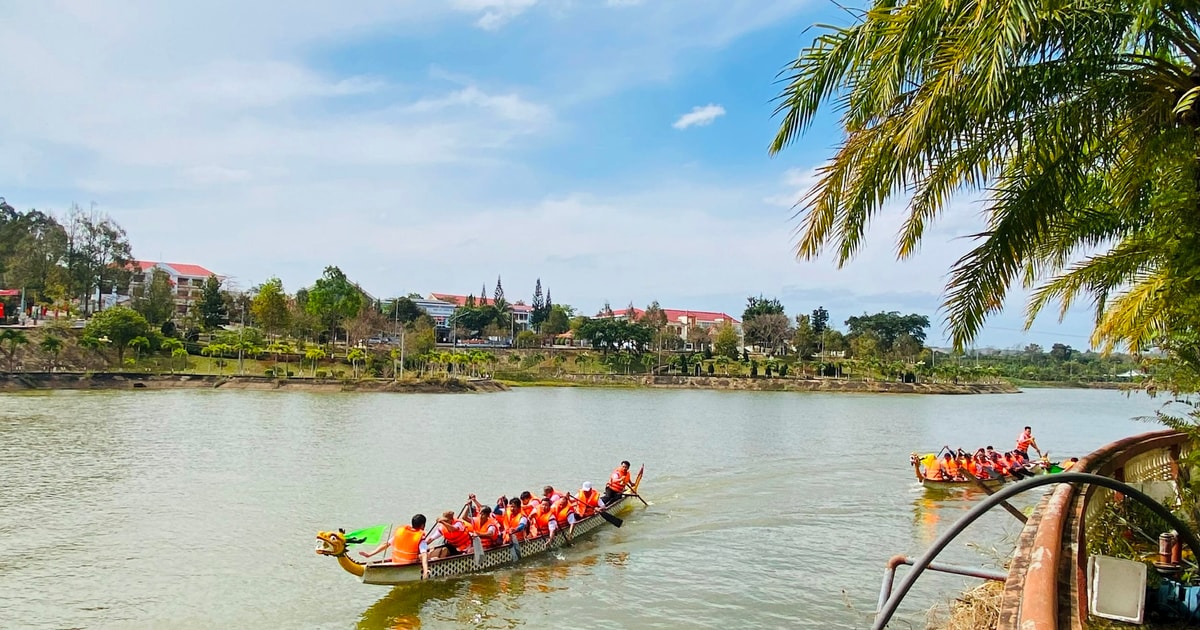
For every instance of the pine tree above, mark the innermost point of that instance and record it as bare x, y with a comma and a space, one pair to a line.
470, 302
538, 314
498, 296
483, 295
607, 310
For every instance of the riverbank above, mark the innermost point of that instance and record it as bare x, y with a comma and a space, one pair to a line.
26, 381
735, 383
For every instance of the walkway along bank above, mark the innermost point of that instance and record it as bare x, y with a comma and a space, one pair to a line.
20, 381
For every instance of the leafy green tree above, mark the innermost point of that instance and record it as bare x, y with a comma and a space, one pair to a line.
726, 342
558, 322
213, 310
98, 255
120, 326
405, 311
334, 299
1079, 120
175, 349
270, 307
527, 339
1061, 352
33, 247
804, 339
756, 306
156, 299
865, 346
314, 354
52, 345
887, 327
12, 338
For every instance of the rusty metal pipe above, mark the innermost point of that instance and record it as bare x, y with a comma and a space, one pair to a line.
893, 601
889, 575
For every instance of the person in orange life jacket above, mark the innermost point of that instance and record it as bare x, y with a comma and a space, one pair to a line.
454, 534
542, 521
588, 500
1015, 466
617, 483
550, 493
529, 502
949, 469
1024, 441
486, 528
408, 545
514, 522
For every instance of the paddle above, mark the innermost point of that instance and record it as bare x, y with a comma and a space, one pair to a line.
478, 547
639, 497
516, 548
616, 522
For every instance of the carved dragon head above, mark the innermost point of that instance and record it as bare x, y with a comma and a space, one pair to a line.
331, 543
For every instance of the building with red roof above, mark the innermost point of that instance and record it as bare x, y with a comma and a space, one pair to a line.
682, 321
187, 280
520, 310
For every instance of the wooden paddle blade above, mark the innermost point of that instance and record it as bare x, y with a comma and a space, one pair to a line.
616, 522
478, 547
516, 550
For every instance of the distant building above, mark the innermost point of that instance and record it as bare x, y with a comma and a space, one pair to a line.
440, 311
187, 281
520, 311
680, 322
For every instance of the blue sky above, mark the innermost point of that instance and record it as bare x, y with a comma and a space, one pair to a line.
615, 149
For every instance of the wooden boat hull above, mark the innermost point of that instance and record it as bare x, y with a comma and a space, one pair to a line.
935, 484
387, 574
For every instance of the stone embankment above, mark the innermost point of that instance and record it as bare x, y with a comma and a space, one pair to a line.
139, 380
786, 384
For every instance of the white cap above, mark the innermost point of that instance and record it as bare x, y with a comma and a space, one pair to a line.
587, 485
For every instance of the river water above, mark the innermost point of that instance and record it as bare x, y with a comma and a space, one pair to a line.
199, 509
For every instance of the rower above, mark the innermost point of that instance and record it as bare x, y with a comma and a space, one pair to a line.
542, 519
408, 545
1024, 441
453, 532
617, 483
514, 522
486, 528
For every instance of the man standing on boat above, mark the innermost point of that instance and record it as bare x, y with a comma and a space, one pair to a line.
617, 484
1024, 441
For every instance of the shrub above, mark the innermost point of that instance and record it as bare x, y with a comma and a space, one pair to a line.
710, 369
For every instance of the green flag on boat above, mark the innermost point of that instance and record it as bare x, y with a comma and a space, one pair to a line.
371, 536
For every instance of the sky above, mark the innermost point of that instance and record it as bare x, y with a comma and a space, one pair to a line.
615, 149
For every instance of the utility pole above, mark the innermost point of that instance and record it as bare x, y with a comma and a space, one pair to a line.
402, 354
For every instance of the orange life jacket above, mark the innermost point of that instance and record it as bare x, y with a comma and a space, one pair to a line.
932, 470
589, 500
618, 480
949, 468
562, 511
541, 519
529, 506
511, 520
1066, 465
1023, 441
488, 531
455, 533
406, 545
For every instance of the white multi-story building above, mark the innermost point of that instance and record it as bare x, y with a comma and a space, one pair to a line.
187, 281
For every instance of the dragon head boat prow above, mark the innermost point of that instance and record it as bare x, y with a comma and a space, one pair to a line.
334, 544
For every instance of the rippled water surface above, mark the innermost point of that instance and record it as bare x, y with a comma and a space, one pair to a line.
198, 509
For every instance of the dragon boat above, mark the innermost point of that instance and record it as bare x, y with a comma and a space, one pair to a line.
1041, 466
338, 544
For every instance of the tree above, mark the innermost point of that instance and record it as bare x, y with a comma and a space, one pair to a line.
726, 342
1078, 119
354, 355
769, 330
176, 349
269, 307
887, 327
405, 311
212, 307
558, 322
12, 338
314, 354
804, 339
51, 345
156, 300
333, 299
498, 296
699, 337
120, 326
756, 306
539, 312
1060, 352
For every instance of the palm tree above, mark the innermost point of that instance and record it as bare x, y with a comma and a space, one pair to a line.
52, 345
139, 344
13, 338
171, 346
314, 354
217, 351
1078, 118
354, 355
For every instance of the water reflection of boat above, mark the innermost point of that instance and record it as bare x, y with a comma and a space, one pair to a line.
469, 601
388, 573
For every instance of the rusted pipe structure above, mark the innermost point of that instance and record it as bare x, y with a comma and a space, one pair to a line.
889, 575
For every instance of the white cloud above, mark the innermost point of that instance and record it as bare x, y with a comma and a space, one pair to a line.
496, 13
699, 116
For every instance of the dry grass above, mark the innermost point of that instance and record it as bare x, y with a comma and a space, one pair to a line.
975, 609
